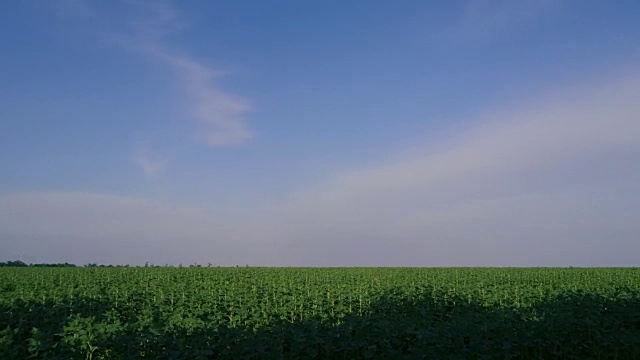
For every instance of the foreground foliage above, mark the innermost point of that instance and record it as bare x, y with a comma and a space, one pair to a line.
346, 313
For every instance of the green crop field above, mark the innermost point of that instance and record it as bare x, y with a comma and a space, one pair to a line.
319, 313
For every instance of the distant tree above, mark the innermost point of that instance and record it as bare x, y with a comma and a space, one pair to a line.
53, 265
16, 263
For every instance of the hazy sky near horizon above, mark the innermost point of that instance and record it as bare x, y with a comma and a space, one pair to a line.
334, 133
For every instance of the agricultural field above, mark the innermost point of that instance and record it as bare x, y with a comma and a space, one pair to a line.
319, 313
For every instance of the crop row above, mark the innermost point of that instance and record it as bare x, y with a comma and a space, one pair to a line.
336, 313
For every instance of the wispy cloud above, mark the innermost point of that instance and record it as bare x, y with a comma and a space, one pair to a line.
221, 116
151, 166
548, 182
155, 20
553, 182
486, 19
220, 113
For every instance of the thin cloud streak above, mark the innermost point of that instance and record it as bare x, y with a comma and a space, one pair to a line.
222, 114
488, 200
150, 166
482, 20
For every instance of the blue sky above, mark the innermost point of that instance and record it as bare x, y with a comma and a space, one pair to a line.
377, 133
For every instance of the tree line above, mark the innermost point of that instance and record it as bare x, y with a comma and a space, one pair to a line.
18, 263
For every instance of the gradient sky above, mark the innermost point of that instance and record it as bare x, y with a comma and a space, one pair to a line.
321, 133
